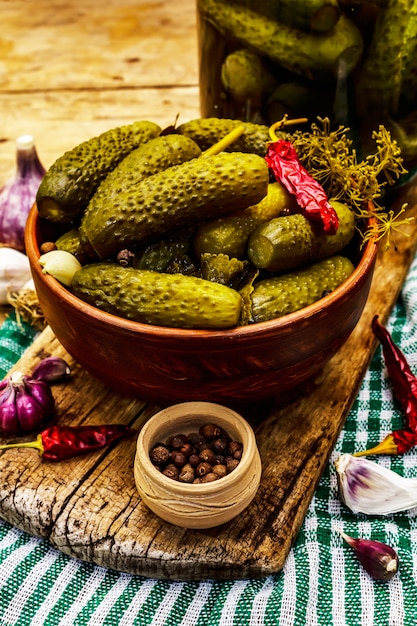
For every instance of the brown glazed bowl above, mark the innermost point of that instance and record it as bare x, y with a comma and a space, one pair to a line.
248, 363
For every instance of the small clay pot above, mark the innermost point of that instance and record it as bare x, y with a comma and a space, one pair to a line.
197, 505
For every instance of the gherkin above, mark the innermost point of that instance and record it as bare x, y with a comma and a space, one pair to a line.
208, 131
179, 196
229, 234
286, 243
73, 178
153, 156
151, 297
280, 295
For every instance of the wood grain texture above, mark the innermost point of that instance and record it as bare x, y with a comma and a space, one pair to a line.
69, 71
89, 507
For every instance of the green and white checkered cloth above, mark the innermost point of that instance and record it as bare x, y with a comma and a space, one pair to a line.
322, 583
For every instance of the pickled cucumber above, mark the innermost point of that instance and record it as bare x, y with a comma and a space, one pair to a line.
73, 178
289, 242
309, 54
182, 195
154, 156
71, 242
281, 295
162, 299
245, 76
229, 234
208, 131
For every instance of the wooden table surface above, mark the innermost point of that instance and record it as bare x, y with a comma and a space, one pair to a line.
71, 70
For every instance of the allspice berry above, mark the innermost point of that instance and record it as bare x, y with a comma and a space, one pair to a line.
187, 474
210, 431
203, 468
209, 478
171, 471
159, 455
197, 458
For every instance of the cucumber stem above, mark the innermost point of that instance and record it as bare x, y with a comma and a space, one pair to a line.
225, 142
284, 122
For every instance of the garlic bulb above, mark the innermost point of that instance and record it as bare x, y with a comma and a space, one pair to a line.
18, 195
14, 272
367, 487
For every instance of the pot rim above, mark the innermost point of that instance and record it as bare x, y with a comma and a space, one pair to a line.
251, 330
178, 412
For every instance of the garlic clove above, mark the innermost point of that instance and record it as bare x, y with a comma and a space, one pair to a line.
14, 272
52, 369
60, 264
367, 487
378, 559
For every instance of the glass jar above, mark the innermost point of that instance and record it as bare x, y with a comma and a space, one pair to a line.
350, 60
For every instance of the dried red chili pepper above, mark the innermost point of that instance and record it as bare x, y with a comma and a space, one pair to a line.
63, 442
282, 159
404, 385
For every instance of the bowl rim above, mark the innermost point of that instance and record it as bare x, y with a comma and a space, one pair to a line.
251, 330
181, 410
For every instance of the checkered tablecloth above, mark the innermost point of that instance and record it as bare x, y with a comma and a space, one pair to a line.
321, 584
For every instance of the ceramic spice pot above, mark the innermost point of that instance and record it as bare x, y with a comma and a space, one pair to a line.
197, 505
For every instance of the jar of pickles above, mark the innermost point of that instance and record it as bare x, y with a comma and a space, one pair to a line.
353, 61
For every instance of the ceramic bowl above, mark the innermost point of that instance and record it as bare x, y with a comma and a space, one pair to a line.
203, 505
247, 363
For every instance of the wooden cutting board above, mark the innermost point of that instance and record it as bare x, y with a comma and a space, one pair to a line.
88, 507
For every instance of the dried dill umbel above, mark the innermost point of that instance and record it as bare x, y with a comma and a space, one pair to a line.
330, 157
27, 309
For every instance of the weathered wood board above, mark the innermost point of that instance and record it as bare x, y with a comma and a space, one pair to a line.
69, 71
89, 508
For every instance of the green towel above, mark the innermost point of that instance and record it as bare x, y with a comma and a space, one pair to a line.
322, 583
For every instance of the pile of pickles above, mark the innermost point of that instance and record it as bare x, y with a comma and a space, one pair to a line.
354, 61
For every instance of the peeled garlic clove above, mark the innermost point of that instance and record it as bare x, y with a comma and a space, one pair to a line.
367, 487
60, 264
377, 558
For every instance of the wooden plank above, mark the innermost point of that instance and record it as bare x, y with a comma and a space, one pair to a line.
69, 71
97, 45
89, 507
61, 120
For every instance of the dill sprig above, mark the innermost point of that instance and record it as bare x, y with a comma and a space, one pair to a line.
330, 157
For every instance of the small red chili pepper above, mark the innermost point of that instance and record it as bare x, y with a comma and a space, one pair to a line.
282, 159
63, 442
404, 385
